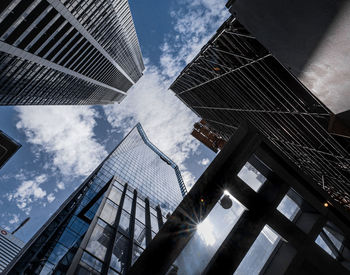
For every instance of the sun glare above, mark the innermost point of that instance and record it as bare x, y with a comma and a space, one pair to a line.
206, 231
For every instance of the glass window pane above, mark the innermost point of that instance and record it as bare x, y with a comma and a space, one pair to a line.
124, 223
127, 204
154, 223
119, 254
140, 234
136, 252
288, 208
140, 213
115, 195
251, 176
324, 246
208, 237
99, 240
91, 261
259, 252
109, 212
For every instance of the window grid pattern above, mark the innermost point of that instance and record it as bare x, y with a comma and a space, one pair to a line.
59, 250
38, 28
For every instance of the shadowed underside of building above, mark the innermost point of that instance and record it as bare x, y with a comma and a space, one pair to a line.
235, 78
251, 212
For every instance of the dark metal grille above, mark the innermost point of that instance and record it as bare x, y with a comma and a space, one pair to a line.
234, 78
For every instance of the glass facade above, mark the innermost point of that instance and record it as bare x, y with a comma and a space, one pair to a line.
106, 209
67, 52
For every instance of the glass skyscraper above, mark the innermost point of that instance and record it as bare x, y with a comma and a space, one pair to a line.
67, 52
110, 219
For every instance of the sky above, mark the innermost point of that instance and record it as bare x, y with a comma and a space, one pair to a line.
62, 145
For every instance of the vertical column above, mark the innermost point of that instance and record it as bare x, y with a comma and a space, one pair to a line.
159, 217
131, 231
148, 222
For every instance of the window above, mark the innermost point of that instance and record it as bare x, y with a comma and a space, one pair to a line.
251, 176
259, 252
288, 208
209, 235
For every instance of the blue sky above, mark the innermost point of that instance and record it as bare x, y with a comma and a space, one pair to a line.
61, 145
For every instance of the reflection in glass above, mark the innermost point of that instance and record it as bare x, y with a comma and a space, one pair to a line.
109, 212
119, 254
140, 234
208, 237
127, 204
259, 252
140, 213
99, 239
154, 223
91, 261
115, 195
124, 223
251, 176
136, 252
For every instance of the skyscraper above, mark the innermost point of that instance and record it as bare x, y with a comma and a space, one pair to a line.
9, 248
108, 221
8, 147
235, 78
67, 52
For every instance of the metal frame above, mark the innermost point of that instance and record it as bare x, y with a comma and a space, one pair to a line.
234, 78
282, 177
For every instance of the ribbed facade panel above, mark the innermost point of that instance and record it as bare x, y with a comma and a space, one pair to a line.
94, 39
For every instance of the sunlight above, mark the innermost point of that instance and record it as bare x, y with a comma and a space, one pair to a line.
206, 232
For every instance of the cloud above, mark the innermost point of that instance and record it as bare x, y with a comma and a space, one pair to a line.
14, 219
66, 133
60, 185
28, 192
50, 197
166, 120
204, 162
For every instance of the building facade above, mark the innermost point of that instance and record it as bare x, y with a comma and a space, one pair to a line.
10, 246
108, 221
8, 147
251, 212
67, 52
235, 78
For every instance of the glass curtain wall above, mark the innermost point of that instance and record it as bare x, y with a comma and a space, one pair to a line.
135, 161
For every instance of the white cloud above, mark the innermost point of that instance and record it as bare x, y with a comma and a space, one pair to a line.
14, 219
66, 133
60, 185
166, 120
50, 197
28, 192
204, 162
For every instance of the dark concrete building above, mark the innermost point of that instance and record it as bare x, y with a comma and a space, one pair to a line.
235, 78
252, 211
111, 218
63, 52
8, 147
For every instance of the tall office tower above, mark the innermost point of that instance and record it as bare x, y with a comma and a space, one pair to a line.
8, 147
9, 248
108, 221
67, 52
234, 78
